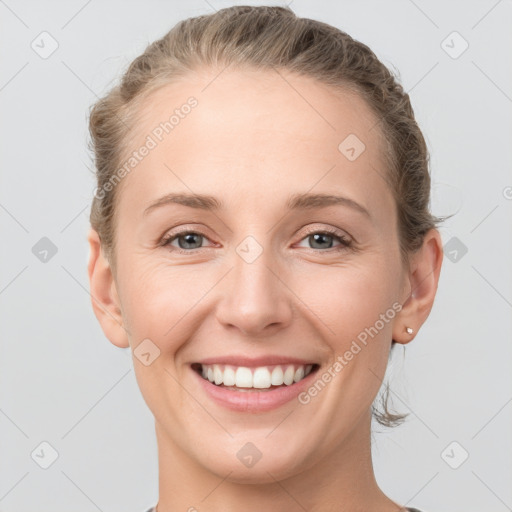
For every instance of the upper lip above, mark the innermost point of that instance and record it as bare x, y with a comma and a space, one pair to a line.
255, 361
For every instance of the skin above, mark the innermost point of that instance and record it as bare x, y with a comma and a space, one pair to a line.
252, 141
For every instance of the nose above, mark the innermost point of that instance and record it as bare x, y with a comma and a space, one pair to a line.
255, 300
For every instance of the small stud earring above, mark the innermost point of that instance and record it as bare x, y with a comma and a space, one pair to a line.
409, 330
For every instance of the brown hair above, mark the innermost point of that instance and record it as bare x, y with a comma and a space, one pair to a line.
266, 38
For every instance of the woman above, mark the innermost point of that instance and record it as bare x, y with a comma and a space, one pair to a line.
261, 239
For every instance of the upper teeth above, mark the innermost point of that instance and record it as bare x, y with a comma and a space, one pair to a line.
261, 377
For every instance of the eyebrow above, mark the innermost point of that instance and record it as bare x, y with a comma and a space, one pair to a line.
295, 202
200, 201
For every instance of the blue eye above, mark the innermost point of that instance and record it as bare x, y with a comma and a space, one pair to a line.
188, 241
322, 238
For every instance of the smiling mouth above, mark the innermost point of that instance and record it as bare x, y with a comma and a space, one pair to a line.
262, 378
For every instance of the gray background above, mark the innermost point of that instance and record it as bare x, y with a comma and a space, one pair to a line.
61, 380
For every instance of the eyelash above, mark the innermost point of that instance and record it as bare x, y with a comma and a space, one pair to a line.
346, 243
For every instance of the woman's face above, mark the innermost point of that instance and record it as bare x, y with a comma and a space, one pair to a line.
259, 272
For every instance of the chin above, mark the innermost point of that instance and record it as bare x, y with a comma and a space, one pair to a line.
249, 466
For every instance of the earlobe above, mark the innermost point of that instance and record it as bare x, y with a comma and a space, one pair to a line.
104, 298
422, 282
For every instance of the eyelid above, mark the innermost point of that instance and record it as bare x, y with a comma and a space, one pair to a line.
184, 232
165, 240
346, 240
331, 230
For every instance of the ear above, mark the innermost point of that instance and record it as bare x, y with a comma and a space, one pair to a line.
104, 297
421, 287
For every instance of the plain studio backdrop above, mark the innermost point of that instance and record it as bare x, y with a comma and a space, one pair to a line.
68, 393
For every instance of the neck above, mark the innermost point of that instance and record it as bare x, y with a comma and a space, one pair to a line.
344, 481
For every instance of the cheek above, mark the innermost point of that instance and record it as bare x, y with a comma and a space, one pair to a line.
166, 302
354, 304
158, 298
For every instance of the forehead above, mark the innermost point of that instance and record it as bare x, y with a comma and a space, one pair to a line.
271, 130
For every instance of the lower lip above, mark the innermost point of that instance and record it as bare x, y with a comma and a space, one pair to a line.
254, 400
